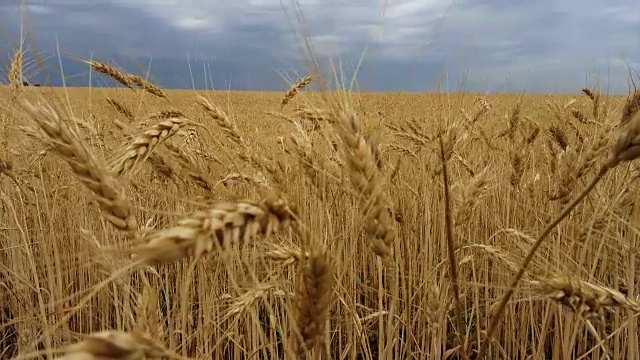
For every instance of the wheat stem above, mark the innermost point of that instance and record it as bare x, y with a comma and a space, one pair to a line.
453, 265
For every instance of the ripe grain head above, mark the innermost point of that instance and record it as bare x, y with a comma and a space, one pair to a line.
104, 68
89, 170
220, 226
313, 299
143, 145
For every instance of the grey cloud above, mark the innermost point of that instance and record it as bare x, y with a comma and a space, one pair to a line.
503, 44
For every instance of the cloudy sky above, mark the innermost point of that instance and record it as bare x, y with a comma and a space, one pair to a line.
411, 45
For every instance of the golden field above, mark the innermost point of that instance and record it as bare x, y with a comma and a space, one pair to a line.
231, 227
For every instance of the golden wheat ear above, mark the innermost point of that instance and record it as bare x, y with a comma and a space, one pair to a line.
627, 146
363, 159
117, 345
85, 165
122, 109
142, 146
106, 69
147, 86
584, 298
15, 70
312, 301
631, 107
222, 120
295, 89
218, 227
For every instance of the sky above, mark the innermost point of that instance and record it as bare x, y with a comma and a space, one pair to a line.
406, 45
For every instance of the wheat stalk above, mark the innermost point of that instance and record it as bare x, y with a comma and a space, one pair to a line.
449, 227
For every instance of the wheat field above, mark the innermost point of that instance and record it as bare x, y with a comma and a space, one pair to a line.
148, 223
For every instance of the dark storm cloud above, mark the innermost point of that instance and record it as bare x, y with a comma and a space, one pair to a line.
101, 28
504, 45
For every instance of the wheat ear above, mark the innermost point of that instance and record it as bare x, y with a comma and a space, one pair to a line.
84, 164
222, 120
167, 114
295, 89
103, 68
121, 108
219, 226
188, 163
631, 107
200, 232
142, 146
15, 71
584, 298
366, 179
147, 86
247, 154
312, 301
117, 345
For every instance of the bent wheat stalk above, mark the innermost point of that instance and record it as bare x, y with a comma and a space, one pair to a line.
627, 148
453, 264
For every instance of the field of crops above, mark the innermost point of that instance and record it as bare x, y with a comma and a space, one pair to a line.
139, 222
